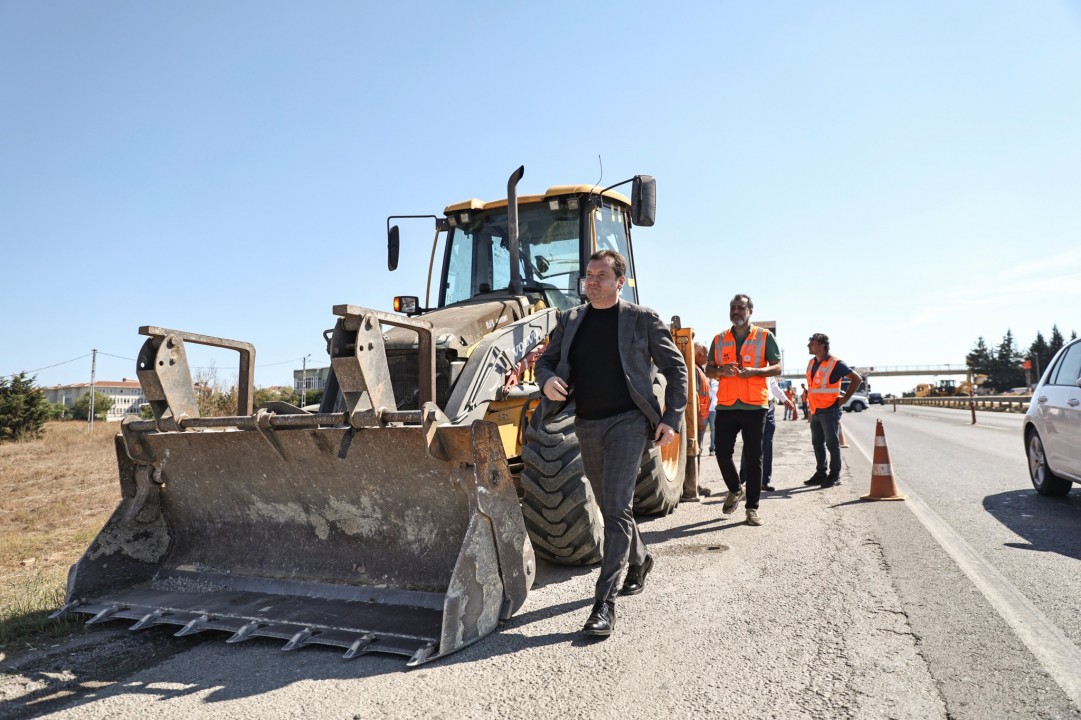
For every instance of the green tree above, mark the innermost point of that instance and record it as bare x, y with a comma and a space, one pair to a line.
58, 411
1040, 354
23, 408
980, 360
312, 397
283, 394
80, 409
1006, 372
1056, 342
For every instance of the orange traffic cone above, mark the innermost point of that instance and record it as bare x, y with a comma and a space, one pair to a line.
883, 486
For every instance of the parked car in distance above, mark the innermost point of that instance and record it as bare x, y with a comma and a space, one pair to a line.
857, 403
1052, 426
873, 398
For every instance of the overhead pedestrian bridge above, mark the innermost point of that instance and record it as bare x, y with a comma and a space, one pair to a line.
895, 370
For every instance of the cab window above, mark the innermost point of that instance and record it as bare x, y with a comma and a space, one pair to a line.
610, 228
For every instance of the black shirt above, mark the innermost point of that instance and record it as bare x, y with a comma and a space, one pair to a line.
600, 386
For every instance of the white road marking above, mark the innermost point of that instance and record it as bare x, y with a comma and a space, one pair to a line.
1058, 655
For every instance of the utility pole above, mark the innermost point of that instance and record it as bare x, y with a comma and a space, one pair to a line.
304, 378
971, 395
93, 371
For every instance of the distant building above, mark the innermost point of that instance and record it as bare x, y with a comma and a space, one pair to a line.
310, 379
127, 395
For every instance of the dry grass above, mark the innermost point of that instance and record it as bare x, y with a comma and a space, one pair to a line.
57, 492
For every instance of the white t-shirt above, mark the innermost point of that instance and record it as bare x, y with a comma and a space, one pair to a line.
713, 384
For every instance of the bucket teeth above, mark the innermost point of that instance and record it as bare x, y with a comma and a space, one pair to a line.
105, 614
299, 640
147, 620
193, 626
66, 608
245, 632
421, 655
359, 646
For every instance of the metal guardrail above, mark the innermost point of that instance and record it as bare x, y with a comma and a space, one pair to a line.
995, 403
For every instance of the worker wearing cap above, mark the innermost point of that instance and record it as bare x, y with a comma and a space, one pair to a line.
824, 398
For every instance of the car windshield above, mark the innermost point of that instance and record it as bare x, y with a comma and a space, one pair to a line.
478, 256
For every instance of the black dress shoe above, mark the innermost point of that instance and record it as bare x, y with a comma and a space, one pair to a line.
636, 577
831, 482
768, 488
815, 479
601, 620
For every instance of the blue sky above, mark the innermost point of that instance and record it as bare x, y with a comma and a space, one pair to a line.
903, 176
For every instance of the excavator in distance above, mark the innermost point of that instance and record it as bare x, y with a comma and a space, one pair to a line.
405, 513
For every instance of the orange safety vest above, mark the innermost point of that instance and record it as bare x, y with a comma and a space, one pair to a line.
821, 393
752, 390
703, 393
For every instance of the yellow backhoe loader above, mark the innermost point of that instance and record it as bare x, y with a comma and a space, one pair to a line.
402, 515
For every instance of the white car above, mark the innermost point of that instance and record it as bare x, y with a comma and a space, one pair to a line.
857, 403
1052, 427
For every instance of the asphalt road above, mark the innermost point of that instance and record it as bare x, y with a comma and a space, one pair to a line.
958, 602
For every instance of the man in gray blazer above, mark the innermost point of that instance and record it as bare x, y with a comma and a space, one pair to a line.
602, 354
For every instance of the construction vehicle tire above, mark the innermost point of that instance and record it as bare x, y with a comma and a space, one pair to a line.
661, 475
560, 509
658, 489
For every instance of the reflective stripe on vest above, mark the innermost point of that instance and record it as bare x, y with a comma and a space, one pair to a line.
752, 390
821, 393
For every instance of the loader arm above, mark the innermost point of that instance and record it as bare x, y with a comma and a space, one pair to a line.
481, 381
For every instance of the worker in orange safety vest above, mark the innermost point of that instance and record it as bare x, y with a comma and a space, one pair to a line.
825, 374
741, 359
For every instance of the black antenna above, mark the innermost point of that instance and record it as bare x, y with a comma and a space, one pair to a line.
601, 164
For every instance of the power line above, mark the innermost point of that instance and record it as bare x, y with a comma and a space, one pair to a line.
47, 367
283, 362
118, 357
121, 357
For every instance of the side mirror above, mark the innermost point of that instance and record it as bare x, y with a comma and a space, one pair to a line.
392, 248
644, 201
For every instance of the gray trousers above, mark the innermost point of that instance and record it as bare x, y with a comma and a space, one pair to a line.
612, 454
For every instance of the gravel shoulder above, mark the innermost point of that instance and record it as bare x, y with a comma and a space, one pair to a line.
795, 619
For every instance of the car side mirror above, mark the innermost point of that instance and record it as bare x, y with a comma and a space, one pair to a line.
644, 201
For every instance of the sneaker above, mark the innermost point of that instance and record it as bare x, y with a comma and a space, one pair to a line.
731, 501
752, 518
816, 479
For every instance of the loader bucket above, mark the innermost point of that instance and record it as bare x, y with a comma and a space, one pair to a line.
285, 527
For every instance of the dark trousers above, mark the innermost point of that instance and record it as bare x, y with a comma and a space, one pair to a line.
751, 424
767, 450
825, 436
612, 454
